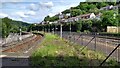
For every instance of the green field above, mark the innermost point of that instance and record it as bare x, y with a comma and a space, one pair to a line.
54, 51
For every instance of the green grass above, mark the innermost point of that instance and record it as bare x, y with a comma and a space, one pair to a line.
59, 52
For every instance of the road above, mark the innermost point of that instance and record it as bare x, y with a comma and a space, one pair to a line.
105, 45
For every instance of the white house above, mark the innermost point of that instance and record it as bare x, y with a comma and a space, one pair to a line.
88, 16
109, 7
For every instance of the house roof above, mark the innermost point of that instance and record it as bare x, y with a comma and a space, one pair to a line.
108, 7
85, 15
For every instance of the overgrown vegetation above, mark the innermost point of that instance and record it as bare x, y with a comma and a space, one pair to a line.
54, 51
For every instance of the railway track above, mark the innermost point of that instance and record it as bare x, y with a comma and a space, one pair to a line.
111, 40
24, 45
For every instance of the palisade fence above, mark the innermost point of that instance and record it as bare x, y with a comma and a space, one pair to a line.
13, 38
105, 44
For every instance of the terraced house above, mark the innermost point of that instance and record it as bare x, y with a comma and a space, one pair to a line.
111, 7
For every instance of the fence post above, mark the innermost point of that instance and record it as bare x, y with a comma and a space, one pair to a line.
109, 55
96, 45
118, 54
95, 42
82, 40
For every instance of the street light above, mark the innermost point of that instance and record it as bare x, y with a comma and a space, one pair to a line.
60, 17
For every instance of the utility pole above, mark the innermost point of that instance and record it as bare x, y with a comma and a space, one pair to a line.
61, 31
60, 17
20, 34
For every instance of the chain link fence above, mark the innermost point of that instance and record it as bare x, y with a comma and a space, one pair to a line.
94, 41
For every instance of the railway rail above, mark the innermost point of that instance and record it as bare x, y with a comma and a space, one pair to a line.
23, 45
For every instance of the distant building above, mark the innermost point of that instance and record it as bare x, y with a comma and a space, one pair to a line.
42, 23
111, 7
55, 22
98, 16
113, 29
77, 18
88, 16
83, 17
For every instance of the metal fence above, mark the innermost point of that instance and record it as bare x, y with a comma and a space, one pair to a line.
13, 37
94, 41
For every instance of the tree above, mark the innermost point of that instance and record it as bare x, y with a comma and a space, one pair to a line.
108, 19
9, 25
75, 12
47, 18
96, 25
66, 11
79, 25
4, 30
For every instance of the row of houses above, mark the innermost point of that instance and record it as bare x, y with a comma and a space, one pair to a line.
111, 7
84, 16
80, 17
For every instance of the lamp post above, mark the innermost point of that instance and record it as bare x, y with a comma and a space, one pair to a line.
60, 17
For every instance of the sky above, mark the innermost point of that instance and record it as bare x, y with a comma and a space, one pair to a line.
34, 11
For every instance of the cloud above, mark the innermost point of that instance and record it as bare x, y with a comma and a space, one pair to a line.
25, 14
21, 14
30, 13
2, 15
34, 7
11, 0
47, 4
51, 14
58, 9
16, 18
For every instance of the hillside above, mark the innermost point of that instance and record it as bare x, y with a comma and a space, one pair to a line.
82, 8
9, 25
103, 17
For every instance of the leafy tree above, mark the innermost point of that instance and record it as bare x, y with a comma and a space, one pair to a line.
54, 18
96, 25
66, 11
84, 6
9, 25
79, 26
108, 19
47, 18
99, 0
75, 12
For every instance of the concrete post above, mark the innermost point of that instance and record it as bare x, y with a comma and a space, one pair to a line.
61, 31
